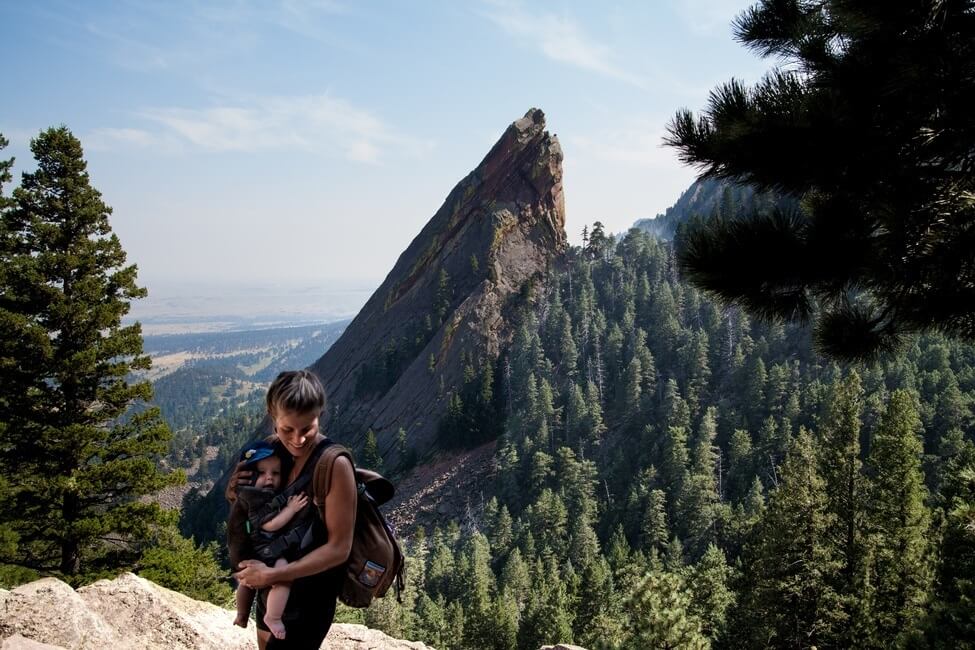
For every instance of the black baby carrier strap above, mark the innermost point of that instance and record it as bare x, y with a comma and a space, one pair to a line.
300, 534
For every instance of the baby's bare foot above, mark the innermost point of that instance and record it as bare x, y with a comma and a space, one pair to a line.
276, 627
240, 621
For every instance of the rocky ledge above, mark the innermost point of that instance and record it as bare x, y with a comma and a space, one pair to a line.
130, 612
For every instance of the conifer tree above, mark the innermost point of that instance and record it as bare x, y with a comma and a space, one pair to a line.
371, 458
595, 427
476, 588
504, 622
515, 578
839, 452
596, 622
883, 245
8, 536
658, 615
711, 593
82, 458
432, 625
898, 523
700, 507
654, 533
547, 617
788, 595
740, 469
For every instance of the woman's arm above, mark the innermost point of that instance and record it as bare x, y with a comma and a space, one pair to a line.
340, 504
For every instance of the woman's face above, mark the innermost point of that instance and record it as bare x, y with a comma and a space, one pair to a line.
296, 431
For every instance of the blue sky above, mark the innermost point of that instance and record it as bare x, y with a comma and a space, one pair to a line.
306, 143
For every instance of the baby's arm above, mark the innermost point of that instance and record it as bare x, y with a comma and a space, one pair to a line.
295, 504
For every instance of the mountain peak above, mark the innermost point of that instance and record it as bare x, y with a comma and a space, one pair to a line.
447, 296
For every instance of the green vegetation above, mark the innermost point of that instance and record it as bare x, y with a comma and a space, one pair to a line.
866, 120
74, 459
671, 473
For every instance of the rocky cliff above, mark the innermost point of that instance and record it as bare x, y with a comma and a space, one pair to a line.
449, 295
132, 613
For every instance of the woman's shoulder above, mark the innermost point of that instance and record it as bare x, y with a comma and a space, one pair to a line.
334, 463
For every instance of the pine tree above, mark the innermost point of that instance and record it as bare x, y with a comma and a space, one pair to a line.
431, 617
476, 588
837, 124
515, 578
700, 506
839, 452
547, 617
575, 417
77, 458
788, 596
711, 593
658, 615
596, 622
654, 533
371, 458
178, 563
740, 467
594, 427
504, 622
952, 624
898, 523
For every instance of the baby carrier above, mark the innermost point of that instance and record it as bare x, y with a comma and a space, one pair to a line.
375, 561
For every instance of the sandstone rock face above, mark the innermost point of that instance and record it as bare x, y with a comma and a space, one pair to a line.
499, 228
132, 613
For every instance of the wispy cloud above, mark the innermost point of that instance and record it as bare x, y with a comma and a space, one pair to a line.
707, 17
316, 123
306, 18
561, 39
178, 35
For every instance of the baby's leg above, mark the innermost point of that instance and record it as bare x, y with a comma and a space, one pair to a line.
276, 601
245, 597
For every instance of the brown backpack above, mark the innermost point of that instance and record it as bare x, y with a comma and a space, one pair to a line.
375, 561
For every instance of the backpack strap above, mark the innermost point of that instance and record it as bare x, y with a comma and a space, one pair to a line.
323, 473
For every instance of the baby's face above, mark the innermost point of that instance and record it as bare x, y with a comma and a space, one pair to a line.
268, 473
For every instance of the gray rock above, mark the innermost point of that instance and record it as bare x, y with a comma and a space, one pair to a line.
132, 613
508, 215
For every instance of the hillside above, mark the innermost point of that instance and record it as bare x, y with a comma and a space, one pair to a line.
708, 198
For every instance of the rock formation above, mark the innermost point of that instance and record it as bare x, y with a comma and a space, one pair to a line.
132, 613
449, 294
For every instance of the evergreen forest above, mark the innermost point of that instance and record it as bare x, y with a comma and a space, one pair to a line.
672, 474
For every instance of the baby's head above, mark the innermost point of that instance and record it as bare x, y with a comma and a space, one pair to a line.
263, 460
267, 473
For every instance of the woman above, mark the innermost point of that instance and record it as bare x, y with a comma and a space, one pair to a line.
295, 401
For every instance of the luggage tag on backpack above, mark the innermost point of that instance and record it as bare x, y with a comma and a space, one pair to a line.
371, 574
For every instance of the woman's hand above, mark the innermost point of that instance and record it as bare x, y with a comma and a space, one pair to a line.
240, 477
255, 574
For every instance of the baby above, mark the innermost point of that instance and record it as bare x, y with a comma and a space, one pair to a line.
254, 519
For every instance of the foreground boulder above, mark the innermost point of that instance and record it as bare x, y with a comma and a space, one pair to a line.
131, 612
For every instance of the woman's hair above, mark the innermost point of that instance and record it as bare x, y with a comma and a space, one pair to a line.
297, 391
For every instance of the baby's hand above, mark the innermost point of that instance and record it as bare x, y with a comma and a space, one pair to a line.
296, 502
